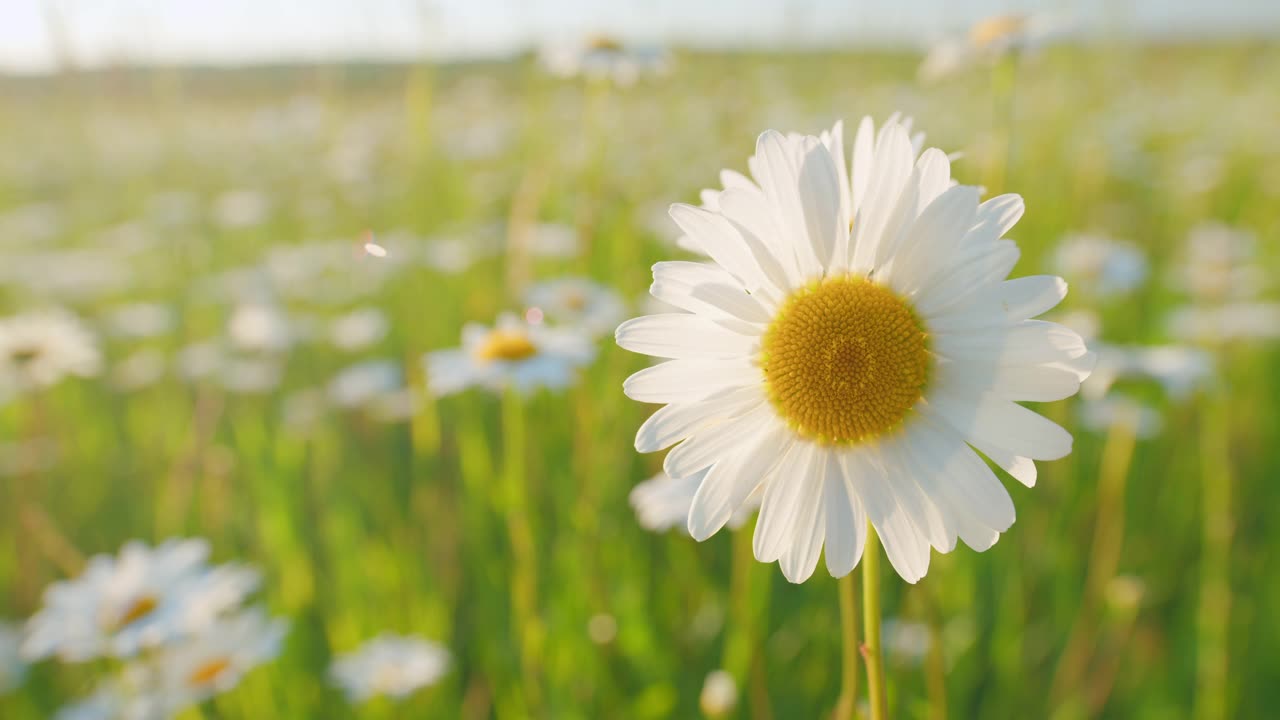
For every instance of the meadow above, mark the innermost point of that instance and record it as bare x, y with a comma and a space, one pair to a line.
211, 228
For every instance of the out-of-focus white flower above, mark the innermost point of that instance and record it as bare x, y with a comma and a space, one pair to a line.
1100, 267
663, 502
719, 694
78, 275
139, 320
578, 302
605, 58
39, 348
12, 668
907, 642
988, 39
142, 598
1103, 414
1222, 323
552, 240
239, 209
201, 360
173, 208
260, 327
31, 223
602, 628
215, 661
392, 665
1219, 265
358, 329
512, 353
138, 370
1179, 370
363, 383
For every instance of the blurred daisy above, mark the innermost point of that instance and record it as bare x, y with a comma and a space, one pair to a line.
849, 347
719, 694
142, 598
1218, 265
1103, 414
989, 39
604, 58
662, 502
512, 353
358, 329
362, 384
239, 209
1100, 267
12, 668
200, 360
392, 665
140, 320
578, 302
250, 375
215, 661
261, 327
553, 240
1179, 370
39, 348
1232, 321
907, 642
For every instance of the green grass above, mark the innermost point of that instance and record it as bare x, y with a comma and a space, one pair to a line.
362, 526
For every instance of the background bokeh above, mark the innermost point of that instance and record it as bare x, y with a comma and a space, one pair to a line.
207, 225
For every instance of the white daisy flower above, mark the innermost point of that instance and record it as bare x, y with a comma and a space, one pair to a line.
553, 240
989, 39
578, 302
1218, 265
358, 329
392, 665
907, 642
12, 668
363, 383
1179, 370
1116, 409
239, 209
605, 58
40, 348
719, 694
216, 660
662, 503
1229, 321
852, 338
261, 327
140, 320
1101, 267
140, 599
512, 353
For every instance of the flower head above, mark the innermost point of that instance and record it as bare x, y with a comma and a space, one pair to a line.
513, 353
391, 665
142, 598
850, 348
578, 302
40, 348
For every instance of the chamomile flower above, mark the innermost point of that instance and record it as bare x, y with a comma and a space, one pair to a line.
719, 694
513, 353
989, 39
578, 302
40, 348
850, 348
1099, 266
662, 502
217, 659
358, 329
392, 665
142, 598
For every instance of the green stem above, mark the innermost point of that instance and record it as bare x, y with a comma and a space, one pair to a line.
1213, 616
871, 650
848, 704
524, 587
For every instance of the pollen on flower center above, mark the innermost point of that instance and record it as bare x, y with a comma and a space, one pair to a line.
506, 345
845, 360
209, 671
137, 610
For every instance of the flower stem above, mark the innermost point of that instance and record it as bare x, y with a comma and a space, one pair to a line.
871, 651
527, 626
847, 706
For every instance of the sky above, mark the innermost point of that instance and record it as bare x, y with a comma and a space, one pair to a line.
94, 33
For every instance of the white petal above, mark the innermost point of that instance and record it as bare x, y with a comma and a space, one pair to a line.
719, 239
714, 442
932, 240
968, 279
907, 550
680, 335
809, 525
846, 523
732, 480
675, 422
787, 497
993, 421
894, 159
995, 218
677, 381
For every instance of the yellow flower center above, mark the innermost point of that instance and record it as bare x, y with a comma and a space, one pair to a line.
845, 360
209, 671
994, 29
507, 345
24, 355
574, 300
138, 609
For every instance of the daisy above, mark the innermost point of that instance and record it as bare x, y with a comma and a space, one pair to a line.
392, 665
578, 302
513, 353
987, 40
1099, 266
12, 668
143, 598
40, 348
362, 384
719, 694
216, 660
663, 502
606, 58
358, 329
851, 346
